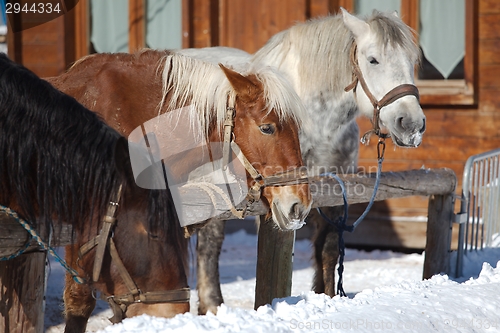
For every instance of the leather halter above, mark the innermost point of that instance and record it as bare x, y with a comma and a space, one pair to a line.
393, 95
119, 303
291, 177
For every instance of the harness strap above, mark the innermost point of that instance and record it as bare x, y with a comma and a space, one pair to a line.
398, 92
120, 303
291, 177
168, 296
101, 240
393, 95
228, 131
246, 163
127, 279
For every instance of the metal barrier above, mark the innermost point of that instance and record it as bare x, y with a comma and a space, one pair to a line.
480, 205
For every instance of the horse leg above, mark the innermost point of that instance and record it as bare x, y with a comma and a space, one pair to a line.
208, 248
326, 250
78, 300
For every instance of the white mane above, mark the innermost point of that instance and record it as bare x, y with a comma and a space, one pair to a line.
205, 87
320, 50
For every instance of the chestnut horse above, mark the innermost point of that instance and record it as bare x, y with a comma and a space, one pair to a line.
127, 90
60, 163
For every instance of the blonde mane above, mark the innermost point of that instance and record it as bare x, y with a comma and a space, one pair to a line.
320, 48
204, 86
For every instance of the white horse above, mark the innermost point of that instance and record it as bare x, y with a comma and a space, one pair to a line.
320, 58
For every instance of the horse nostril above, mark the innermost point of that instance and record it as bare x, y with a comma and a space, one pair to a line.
422, 130
296, 211
399, 122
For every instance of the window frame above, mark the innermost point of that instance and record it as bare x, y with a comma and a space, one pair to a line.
448, 92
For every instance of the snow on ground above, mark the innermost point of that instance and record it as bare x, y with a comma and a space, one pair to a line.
384, 288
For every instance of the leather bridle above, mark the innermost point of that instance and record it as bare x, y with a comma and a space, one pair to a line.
292, 177
119, 303
393, 95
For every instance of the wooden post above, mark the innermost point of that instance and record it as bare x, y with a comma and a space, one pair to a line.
136, 25
22, 287
274, 263
82, 29
439, 225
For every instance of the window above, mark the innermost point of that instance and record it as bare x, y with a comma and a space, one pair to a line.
446, 30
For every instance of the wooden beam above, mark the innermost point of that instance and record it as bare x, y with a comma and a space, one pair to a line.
325, 191
14, 237
359, 188
136, 25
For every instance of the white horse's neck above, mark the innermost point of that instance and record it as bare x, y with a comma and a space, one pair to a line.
314, 56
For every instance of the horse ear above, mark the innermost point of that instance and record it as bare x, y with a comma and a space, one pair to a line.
245, 89
357, 26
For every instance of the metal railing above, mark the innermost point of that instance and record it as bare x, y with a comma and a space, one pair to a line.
480, 205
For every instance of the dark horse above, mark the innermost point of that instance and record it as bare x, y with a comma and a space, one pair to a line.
60, 163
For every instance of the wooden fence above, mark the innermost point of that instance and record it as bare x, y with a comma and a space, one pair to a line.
22, 279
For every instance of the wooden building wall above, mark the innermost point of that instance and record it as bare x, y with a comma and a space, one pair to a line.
454, 132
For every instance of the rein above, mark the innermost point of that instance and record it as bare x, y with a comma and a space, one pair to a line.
119, 303
341, 222
393, 95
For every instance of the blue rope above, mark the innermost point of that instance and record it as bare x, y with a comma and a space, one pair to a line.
341, 222
43, 245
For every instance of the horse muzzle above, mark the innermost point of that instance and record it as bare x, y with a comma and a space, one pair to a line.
408, 135
290, 216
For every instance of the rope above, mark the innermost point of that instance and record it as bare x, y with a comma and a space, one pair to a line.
341, 222
210, 188
43, 245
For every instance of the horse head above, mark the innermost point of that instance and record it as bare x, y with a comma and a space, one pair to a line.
268, 137
385, 54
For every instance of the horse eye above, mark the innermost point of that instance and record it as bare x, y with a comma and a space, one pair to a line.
267, 129
373, 61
